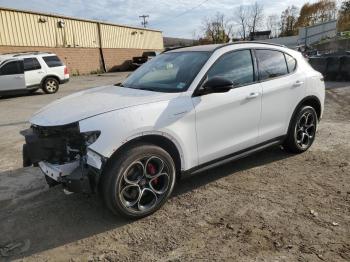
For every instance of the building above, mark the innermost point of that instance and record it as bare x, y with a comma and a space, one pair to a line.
86, 46
259, 35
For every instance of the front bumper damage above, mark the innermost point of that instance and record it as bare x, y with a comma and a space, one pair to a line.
63, 155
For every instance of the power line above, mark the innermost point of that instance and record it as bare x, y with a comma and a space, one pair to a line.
189, 10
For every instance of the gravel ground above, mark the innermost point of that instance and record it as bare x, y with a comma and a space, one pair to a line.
271, 206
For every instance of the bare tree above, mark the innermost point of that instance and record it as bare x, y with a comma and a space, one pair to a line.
256, 17
241, 16
217, 29
273, 24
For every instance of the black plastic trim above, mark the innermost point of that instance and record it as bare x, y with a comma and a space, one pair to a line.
300, 103
236, 155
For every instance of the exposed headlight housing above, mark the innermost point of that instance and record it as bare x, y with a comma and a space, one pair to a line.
91, 137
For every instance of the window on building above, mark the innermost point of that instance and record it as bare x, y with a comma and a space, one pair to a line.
12, 68
31, 64
52, 61
271, 64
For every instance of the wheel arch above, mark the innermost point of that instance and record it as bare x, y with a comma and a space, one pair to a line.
312, 101
162, 140
49, 76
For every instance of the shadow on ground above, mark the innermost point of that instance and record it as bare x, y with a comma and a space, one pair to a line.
20, 94
52, 219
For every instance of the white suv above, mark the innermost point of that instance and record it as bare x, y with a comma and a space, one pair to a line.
31, 71
184, 111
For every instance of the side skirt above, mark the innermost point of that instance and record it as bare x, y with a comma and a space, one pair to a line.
235, 156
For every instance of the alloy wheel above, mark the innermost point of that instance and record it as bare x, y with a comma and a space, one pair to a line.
144, 184
305, 130
51, 86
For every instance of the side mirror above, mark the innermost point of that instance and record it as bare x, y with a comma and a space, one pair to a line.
216, 85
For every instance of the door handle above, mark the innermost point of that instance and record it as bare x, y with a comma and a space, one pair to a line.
253, 95
18, 77
298, 83
40, 72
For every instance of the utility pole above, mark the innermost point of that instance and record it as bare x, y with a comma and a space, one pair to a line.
144, 22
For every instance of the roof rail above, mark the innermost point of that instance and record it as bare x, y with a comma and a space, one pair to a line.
249, 42
31, 53
15, 54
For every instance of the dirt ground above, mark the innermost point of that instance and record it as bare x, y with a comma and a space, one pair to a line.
271, 206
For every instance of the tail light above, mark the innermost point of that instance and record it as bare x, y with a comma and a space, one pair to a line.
65, 70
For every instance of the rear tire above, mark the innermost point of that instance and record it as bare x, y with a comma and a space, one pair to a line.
302, 130
139, 181
50, 85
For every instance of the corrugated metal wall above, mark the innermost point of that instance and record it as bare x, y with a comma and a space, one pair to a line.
124, 37
19, 28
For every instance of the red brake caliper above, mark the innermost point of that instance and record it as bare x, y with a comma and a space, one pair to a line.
151, 169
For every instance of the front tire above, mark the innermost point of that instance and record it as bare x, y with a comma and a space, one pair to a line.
139, 181
302, 130
50, 85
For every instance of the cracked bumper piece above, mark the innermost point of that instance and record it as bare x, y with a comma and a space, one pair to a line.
74, 176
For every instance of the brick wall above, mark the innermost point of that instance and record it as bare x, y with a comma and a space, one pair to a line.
120, 58
86, 60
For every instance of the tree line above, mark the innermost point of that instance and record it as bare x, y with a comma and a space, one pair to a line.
248, 19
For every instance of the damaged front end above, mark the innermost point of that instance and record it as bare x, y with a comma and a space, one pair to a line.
63, 155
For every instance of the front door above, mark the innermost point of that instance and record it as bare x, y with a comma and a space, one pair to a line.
229, 122
12, 76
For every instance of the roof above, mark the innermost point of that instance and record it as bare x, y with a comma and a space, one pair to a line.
7, 56
74, 18
197, 48
213, 47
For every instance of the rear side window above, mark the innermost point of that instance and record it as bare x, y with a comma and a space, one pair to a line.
52, 61
12, 68
31, 64
271, 64
236, 66
291, 63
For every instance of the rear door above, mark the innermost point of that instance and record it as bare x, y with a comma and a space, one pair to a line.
282, 88
12, 76
33, 72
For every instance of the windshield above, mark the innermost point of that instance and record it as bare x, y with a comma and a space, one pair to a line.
168, 72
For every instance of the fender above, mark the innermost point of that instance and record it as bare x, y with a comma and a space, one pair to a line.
51, 75
139, 135
306, 101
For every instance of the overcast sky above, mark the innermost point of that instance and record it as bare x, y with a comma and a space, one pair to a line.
177, 18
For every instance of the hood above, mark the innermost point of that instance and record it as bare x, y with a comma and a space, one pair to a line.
93, 102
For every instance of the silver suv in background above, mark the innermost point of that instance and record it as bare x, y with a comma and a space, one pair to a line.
31, 71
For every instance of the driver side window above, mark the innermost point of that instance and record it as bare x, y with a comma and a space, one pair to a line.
236, 66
